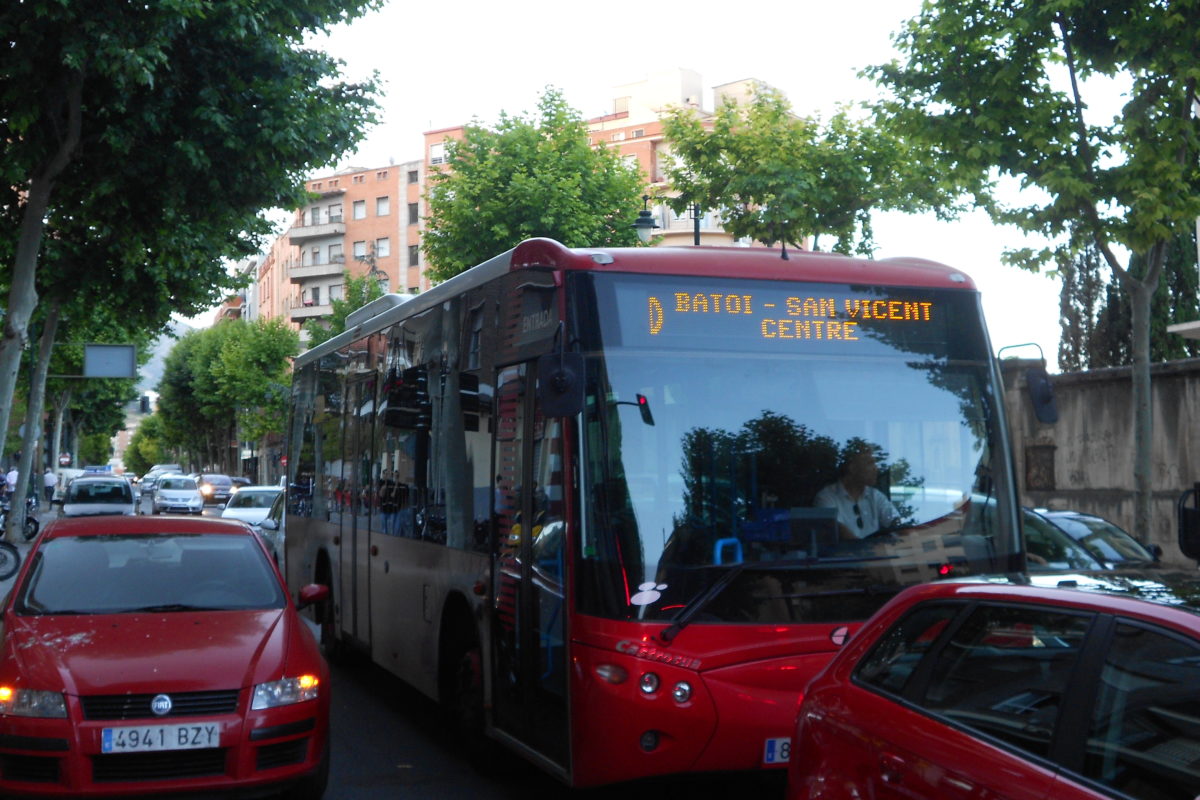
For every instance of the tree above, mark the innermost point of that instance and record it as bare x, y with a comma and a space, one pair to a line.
778, 177
994, 89
146, 446
225, 383
357, 293
1096, 315
528, 176
165, 129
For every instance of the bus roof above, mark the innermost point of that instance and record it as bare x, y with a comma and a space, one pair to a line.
751, 263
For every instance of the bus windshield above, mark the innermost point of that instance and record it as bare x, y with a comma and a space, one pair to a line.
806, 449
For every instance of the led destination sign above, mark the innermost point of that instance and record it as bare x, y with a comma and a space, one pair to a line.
774, 317
786, 317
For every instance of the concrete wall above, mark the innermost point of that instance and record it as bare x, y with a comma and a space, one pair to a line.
1084, 461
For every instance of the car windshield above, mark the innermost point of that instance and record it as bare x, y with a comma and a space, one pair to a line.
158, 572
1050, 549
115, 492
182, 484
252, 499
1103, 539
825, 473
217, 480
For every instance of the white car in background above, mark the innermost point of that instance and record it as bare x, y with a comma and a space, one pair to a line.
251, 504
177, 494
94, 495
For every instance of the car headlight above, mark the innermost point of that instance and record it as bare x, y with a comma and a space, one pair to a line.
32, 703
285, 692
206, 489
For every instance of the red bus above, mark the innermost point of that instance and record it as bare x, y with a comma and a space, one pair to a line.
615, 507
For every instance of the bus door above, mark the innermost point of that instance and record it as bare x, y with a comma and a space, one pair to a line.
529, 652
354, 497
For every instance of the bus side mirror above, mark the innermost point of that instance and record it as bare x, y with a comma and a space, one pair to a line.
560, 384
1041, 394
1189, 523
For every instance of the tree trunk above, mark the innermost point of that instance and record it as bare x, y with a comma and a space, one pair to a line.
28, 469
1140, 296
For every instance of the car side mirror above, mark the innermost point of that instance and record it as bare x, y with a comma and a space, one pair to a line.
269, 525
560, 384
312, 594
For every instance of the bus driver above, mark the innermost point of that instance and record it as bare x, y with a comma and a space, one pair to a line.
861, 508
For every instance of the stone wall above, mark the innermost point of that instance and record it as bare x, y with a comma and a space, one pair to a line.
1084, 461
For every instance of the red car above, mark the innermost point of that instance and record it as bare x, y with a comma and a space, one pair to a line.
145, 655
1003, 690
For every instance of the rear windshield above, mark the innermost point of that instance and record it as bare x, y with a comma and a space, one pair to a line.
108, 492
244, 499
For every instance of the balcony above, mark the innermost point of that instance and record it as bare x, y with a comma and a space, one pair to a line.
299, 273
303, 233
302, 311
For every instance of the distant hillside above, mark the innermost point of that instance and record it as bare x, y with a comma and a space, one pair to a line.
151, 373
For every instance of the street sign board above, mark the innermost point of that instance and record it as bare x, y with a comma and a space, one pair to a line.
109, 361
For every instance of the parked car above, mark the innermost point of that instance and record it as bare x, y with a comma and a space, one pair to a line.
1103, 539
1050, 549
251, 504
215, 488
1007, 690
90, 495
272, 528
178, 665
177, 494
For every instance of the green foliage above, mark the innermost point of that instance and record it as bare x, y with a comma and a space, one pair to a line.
778, 177
1097, 319
146, 446
145, 141
528, 176
992, 88
95, 448
358, 291
234, 372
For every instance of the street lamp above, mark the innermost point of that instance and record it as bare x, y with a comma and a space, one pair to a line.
645, 224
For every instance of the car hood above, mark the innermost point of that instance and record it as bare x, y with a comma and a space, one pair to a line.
116, 653
94, 509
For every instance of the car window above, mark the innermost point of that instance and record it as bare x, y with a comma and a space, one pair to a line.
177, 483
894, 657
1048, 548
244, 499
1004, 671
1144, 738
121, 574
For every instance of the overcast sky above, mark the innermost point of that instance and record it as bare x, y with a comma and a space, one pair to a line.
446, 65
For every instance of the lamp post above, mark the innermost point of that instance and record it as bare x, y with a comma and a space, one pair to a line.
696, 224
645, 224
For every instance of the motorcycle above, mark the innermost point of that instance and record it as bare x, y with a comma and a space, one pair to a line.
32, 526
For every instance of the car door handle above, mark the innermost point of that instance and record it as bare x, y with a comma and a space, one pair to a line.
891, 768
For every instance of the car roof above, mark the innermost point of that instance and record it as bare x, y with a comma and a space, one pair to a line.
1170, 597
143, 526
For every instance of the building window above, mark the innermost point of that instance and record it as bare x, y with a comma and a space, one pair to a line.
333, 183
413, 177
359, 178
383, 247
337, 292
639, 133
335, 212
315, 295
360, 209
360, 249
414, 214
383, 206
414, 255
619, 136
335, 254
437, 153
381, 175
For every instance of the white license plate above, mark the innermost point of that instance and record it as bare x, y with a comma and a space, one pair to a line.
144, 738
777, 751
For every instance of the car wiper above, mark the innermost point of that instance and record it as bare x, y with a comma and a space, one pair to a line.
697, 603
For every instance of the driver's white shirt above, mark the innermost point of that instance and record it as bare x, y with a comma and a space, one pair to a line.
873, 506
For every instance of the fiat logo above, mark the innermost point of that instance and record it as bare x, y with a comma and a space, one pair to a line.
161, 705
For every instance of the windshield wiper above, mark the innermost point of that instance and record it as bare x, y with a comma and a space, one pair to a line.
698, 603
168, 607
